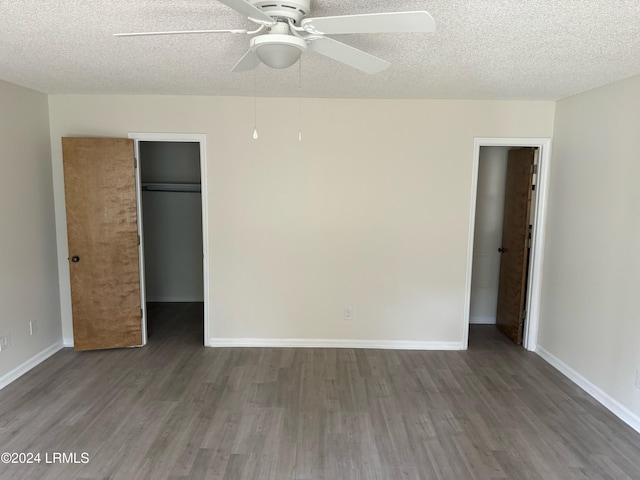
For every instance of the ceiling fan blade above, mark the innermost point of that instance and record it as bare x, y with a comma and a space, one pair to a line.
348, 55
372, 23
177, 32
249, 61
248, 10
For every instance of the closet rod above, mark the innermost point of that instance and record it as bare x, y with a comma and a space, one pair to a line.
172, 187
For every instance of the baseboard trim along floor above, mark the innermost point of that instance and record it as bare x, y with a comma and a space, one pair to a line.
619, 410
34, 361
332, 343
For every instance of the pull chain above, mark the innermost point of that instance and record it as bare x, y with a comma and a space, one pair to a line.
300, 100
255, 115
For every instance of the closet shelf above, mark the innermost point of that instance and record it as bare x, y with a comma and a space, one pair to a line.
172, 187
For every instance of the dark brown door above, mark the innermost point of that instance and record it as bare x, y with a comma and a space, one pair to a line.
100, 194
514, 249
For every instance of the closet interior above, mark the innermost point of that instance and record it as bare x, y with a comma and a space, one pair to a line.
172, 239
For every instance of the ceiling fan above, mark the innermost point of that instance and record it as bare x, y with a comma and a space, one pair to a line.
284, 33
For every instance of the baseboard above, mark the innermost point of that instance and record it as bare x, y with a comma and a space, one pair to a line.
619, 410
332, 343
67, 342
38, 358
482, 320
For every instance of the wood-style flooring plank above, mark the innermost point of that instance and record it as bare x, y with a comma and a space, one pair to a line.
175, 410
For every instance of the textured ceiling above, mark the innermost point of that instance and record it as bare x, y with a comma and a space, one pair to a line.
482, 49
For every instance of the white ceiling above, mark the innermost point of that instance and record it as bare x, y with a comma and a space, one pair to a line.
482, 49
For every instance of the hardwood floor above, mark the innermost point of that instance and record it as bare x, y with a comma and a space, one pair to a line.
175, 410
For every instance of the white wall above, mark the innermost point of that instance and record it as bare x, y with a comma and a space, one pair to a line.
370, 210
172, 223
487, 238
28, 268
177, 162
589, 312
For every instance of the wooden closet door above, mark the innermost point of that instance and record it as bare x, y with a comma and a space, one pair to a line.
100, 194
514, 249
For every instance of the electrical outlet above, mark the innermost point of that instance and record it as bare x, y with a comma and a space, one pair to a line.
637, 378
33, 327
348, 313
5, 342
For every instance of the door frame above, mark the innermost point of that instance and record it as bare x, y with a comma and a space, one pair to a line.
534, 275
200, 138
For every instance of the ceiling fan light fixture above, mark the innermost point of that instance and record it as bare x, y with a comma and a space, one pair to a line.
278, 51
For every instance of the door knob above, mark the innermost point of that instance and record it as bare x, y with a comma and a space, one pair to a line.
75, 259
502, 250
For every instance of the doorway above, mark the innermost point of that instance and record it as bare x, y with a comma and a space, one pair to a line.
485, 236
171, 185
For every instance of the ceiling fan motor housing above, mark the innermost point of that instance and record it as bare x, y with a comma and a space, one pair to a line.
295, 10
278, 51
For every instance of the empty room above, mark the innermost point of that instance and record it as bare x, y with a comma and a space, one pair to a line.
319, 240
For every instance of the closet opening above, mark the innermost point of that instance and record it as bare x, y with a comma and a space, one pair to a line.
506, 240
173, 239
